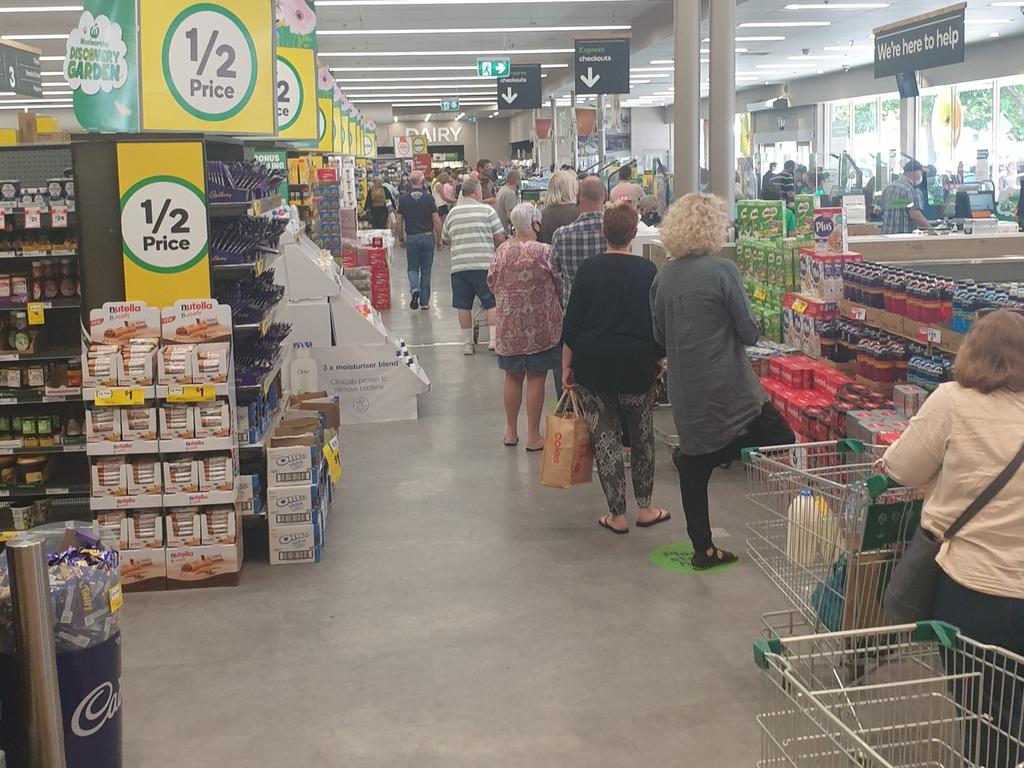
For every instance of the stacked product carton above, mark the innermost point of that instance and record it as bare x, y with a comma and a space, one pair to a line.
768, 256
299, 478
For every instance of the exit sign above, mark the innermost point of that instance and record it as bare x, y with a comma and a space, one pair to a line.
450, 105
471, 119
492, 67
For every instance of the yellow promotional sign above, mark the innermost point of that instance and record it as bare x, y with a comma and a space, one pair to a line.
164, 232
370, 142
296, 94
325, 124
208, 66
356, 147
420, 144
339, 134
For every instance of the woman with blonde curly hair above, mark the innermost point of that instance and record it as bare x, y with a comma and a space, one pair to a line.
560, 204
703, 319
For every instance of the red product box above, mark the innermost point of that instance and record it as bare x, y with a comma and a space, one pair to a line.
888, 438
797, 372
349, 259
378, 257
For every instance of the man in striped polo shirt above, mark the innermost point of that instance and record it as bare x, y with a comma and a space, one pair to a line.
473, 230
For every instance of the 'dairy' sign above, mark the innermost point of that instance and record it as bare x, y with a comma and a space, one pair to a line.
923, 42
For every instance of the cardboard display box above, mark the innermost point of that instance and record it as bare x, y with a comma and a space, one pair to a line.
216, 565
143, 570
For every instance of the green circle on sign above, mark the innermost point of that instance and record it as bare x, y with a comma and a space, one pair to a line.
321, 126
302, 93
144, 264
677, 558
178, 21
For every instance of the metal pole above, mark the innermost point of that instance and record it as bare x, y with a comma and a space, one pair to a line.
575, 135
554, 133
722, 146
37, 657
686, 123
600, 130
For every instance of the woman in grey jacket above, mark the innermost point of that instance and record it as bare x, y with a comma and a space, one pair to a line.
703, 319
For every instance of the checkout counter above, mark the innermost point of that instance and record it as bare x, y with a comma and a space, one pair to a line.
922, 247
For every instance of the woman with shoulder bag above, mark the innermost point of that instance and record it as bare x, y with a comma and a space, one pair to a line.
965, 447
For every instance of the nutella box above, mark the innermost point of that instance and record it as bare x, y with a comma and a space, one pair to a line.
216, 472
203, 566
218, 525
103, 425
183, 527
145, 476
138, 422
177, 421
181, 475
145, 530
115, 523
143, 569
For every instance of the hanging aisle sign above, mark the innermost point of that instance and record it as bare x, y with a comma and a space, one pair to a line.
325, 108
923, 42
520, 88
208, 66
296, 71
602, 66
341, 129
164, 230
101, 65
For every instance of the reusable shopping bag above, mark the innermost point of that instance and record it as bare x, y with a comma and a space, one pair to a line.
568, 456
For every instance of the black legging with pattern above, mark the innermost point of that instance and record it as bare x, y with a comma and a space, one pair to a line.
607, 414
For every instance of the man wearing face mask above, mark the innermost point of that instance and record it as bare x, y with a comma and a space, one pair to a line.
485, 172
903, 202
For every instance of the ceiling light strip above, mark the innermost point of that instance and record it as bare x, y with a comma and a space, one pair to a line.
471, 31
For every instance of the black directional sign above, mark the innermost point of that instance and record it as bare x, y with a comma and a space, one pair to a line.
19, 70
521, 89
923, 42
602, 66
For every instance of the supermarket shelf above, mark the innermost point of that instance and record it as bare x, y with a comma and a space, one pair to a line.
27, 398
268, 319
202, 498
50, 253
74, 303
251, 207
104, 503
11, 209
6, 450
264, 384
259, 266
272, 423
221, 390
57, 353
197, 444
90, 394
122, 447
26, 491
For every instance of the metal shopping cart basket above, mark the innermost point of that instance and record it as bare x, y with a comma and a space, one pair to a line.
835, 528
909, 696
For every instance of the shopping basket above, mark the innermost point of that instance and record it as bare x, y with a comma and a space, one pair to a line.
906, 696
834, 530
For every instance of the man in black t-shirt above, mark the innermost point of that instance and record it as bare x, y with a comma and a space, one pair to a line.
419, 229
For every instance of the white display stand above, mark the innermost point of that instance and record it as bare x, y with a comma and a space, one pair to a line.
339, 342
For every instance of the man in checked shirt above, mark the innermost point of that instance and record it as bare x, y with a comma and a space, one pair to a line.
573, 243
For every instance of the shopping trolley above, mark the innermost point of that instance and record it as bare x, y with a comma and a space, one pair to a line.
906, 696
834, 531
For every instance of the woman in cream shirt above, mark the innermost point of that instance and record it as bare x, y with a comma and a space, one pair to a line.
966, 433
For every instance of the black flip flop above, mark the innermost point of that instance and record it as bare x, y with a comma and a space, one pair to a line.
535, 450
604, 524
663, 517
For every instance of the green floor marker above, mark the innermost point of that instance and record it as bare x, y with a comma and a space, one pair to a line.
676, 558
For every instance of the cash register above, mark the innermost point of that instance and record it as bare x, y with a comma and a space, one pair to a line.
971, 209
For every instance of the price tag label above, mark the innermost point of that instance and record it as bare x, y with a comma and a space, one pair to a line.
191, 393
33, 218
163, 224
116, 396
59, 217
799, 306
210, 62
265, 325
116, 598
332, 452
36, 312
760, 294
858, 313
933, 335
259, 266
3, 218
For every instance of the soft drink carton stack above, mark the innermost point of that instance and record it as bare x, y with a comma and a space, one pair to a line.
380, 278
908, 399
803, 390
298, 484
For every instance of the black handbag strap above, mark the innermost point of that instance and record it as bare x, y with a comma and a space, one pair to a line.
986, 496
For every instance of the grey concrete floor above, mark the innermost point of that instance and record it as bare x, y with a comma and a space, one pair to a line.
463, 615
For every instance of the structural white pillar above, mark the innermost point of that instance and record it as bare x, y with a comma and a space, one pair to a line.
554, 133
600, 131
722, 145
575, 135
686, 121
909, 120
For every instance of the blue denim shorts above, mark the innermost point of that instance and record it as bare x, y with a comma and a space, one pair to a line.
468, 285
538, 362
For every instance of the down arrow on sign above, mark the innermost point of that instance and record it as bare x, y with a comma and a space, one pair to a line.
509, 95
589, 79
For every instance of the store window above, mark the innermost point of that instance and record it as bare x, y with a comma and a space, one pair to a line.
1010, 136
976, 132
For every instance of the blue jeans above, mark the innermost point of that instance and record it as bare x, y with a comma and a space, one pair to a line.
419, 250
994, 693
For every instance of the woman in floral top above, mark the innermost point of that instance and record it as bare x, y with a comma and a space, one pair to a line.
529, 311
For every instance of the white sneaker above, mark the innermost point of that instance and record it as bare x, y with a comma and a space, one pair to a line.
490, 345
469, 348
